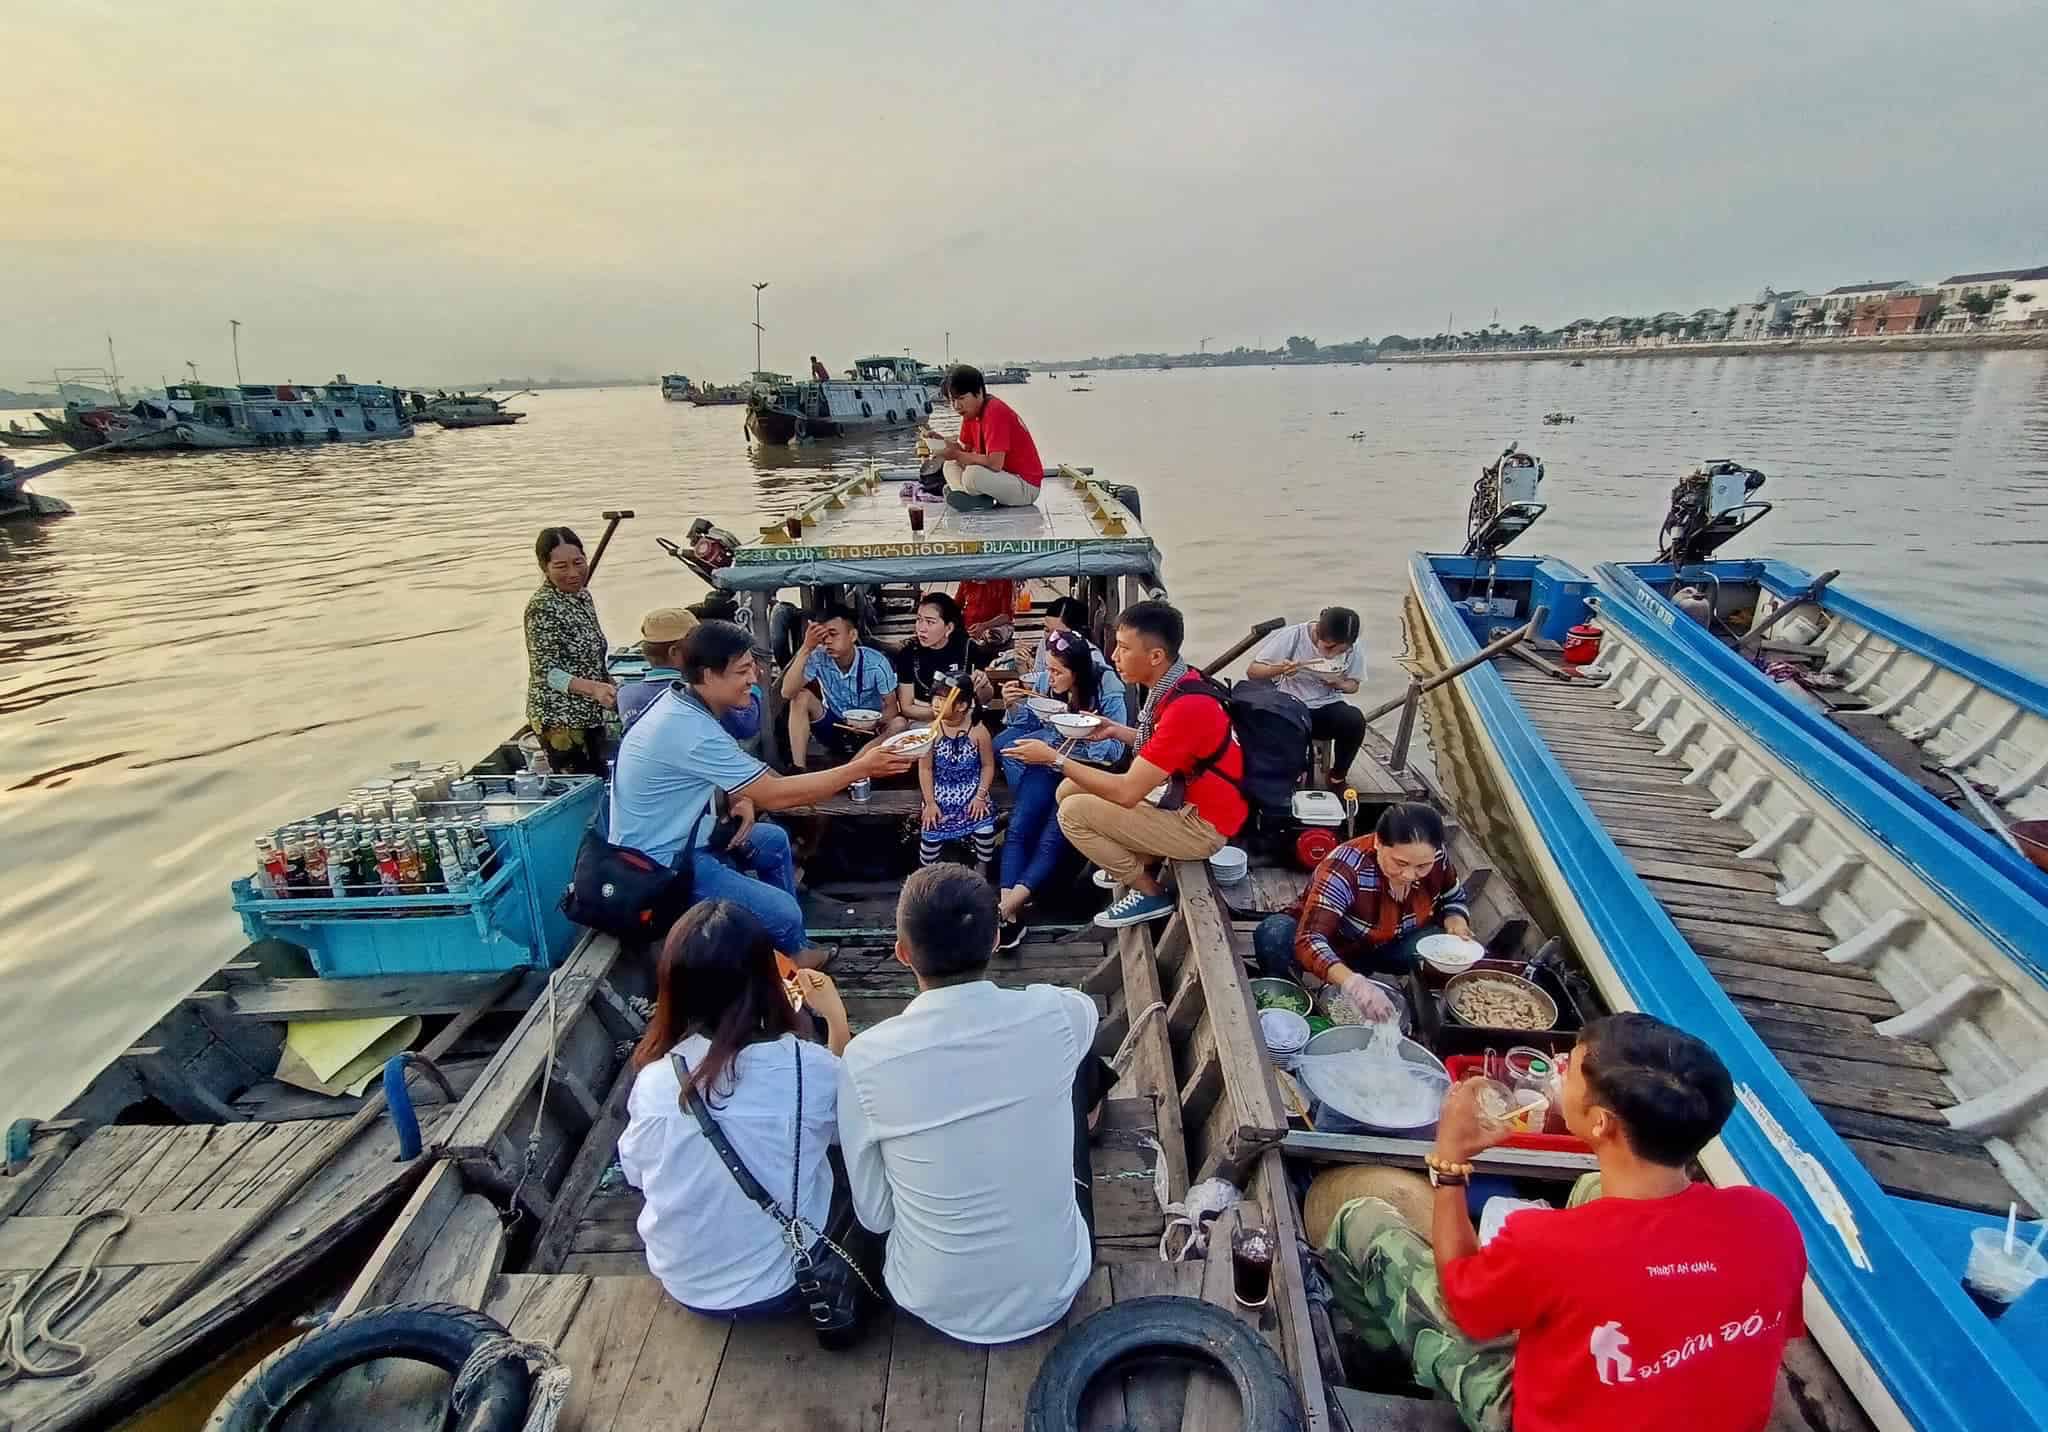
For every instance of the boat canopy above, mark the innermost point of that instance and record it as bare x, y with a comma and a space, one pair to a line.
859, 533
881, 369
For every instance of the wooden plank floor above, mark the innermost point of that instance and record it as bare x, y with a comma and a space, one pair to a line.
186, 1190
1883, 1096
640, 1361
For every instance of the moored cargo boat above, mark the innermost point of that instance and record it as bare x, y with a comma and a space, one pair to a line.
1880, 1040
882, 395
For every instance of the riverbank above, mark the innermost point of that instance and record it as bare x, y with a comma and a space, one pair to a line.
2036, 338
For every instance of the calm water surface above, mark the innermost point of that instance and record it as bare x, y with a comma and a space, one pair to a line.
220, 643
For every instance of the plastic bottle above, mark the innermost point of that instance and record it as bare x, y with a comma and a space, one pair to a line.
270, 870
452, 873
387, 870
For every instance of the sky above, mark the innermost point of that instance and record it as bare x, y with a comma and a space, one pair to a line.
437, 194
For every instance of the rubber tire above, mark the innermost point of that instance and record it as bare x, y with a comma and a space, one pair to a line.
1183, 1328
866, 411
1128, 496
890, 415
927, 409
442, 1334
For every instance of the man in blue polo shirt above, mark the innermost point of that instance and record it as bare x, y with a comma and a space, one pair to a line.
676, 760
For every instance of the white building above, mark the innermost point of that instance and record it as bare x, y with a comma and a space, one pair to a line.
1769, 316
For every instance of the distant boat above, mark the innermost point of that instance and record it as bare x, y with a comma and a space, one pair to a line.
1007, 375
470, 410
288, 414
1577, 363
676, 387
732, 395
17, 503
882, 393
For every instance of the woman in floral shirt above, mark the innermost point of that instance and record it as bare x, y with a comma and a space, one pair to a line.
567, 694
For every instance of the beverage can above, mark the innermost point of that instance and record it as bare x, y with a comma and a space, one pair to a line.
861, 790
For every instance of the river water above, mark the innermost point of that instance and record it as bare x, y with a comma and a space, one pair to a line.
220, 643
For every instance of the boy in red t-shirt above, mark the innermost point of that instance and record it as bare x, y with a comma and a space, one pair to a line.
994, 463
1183, 740
1649, 1302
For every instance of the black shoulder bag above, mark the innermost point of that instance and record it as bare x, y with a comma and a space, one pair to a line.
626, 892
835, 1290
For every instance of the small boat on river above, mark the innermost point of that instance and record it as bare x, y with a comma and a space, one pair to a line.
469, 410
882, 395
1872, 981
998, 376
17, 503
257, 415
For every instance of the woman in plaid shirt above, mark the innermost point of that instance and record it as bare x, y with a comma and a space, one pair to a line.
1365, 907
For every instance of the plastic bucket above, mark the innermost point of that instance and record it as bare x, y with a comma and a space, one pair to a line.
1582, 644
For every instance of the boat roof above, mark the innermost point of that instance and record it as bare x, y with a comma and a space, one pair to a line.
858, 533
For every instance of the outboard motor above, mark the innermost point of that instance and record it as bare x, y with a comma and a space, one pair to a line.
705, 549
1710, 505
1504, 504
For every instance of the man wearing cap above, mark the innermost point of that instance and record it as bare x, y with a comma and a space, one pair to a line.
993, 463
661, 639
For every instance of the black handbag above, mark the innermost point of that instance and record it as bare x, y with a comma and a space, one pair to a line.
835, 1289
626, 892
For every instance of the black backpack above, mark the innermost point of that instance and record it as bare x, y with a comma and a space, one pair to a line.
1272, 733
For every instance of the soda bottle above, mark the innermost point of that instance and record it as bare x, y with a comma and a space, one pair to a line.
294, 867
408, 863
430, 861
451, 864
270, 870
387, 869
316, 864
337, 865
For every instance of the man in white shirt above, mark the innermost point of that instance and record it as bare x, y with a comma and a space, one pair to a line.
1319, 663
958, 1122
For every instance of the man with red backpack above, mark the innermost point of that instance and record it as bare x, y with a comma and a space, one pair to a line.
1183, 741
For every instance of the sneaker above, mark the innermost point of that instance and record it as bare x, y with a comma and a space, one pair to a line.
1136, 908
1010, 934
1103, 880
969, 501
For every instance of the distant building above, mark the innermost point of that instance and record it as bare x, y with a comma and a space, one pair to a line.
1896, 313
1957, 287
1769, 316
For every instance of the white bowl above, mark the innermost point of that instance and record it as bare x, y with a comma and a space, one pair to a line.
1073, 723
861, 718
1284, 1031
1046, 707
910, 743
1449, 954
1230, 864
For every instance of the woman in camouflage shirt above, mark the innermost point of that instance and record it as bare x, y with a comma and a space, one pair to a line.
567, 693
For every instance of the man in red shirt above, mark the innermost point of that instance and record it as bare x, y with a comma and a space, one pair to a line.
1183, 740
1650, 1301
993, 463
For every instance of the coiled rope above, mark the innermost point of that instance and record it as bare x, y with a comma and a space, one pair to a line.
550, 1383
23, 1324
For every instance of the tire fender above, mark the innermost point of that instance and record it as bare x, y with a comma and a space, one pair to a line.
866, 411
1128, 496
442, 1334
1187, 1329
890, 416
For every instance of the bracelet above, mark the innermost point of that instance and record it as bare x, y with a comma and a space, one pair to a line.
1446, 1173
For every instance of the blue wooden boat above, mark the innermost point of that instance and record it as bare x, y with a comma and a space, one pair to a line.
1879, 1053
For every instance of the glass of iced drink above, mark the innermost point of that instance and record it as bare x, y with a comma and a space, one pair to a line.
1997, 1277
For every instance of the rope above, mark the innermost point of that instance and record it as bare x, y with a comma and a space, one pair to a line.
1128, 1050
550, 1385
22, 1326
540, 1112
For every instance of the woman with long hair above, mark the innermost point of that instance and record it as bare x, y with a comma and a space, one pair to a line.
724, 1028
938, 645
567, 690
1076, 674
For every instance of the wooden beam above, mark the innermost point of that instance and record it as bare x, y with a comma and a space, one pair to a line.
1152, 1062
1189, 1003
1290, 1292
283, 1000
558, 1231
406, 1243
1247, 1074
1409, 1153
1204, 1084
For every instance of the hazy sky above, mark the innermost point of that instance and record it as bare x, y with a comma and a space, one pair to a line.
429, 193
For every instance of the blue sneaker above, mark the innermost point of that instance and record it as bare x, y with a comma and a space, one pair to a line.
1136, 908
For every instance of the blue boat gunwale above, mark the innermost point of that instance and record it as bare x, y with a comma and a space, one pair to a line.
1984, 879
1940, 1360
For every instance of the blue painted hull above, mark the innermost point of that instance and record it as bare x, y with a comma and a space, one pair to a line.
1983, 878
1890, 1310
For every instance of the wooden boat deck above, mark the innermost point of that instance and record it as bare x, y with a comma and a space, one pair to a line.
1884, 1096
186, 1190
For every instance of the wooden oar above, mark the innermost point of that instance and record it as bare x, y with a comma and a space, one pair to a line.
611, 525
285, 1192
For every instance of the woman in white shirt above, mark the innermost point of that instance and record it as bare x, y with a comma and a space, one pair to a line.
721, 1006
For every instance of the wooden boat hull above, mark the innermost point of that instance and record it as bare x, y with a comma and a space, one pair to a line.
1965, 711
1884, 1298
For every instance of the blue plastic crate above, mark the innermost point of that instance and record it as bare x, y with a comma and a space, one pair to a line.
511, 923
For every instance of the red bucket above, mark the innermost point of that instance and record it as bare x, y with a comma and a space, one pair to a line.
1582, 644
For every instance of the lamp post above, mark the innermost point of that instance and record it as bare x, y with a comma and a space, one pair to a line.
758, 329
235, 337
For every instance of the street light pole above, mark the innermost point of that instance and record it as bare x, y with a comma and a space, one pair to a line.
235, 337
949, 347
758, 329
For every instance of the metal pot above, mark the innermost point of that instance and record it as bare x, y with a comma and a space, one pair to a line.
1536, 991
1332, 1119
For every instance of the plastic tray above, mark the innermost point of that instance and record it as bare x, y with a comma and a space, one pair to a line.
1464, 1066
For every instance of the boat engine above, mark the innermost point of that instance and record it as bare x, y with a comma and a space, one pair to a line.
1710, 505
1504, 504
